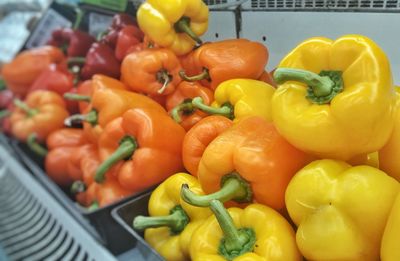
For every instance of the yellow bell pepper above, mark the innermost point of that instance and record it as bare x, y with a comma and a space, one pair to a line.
335, 99
340, 210
256, 233
174, 24
239, 98
390, 250
389, 155
172, 221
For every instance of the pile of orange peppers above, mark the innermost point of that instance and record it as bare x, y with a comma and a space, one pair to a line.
249, 165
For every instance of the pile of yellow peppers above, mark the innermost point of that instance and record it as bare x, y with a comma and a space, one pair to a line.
336, 105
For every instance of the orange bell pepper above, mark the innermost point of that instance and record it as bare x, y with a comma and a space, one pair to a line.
63, 144
199, 137
229, 59
151, 71
143, 145
84, 89
267, 78
41, 113
250, 161
180, 102
21, 72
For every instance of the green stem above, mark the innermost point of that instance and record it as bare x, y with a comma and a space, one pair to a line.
95, 205
127, 147
233, 187
322, 87
225, 110
76, 60
204, 75
186, 107
163, 77
77, 97
91, 117
235, 242
35, 146
78, 18
176, 221
3, 85
183, 26
23, 106
4, 113
78, 187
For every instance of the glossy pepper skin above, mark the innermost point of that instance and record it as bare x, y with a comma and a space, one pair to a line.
128, 37
388, 155
62, 145
340, 210
77, 42
180, 107
41, 113
172, 242
240, 98
253, 155
261, 233
175, 25
23, 70
139, 136
119, 22
332, 122
151, 71
199, 137
100, 59
217, 62
391, 235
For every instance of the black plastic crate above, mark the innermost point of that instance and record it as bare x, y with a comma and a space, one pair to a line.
99, 222
124, 215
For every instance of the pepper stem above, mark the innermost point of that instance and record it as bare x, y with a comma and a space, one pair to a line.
4, 113
163, 77
95, 205
235, 242
233, 187
78, 18
127, 147
77, 97
183, 26
3, 85
225, 110
90, 117
204, 75
186, 107
323, 87
78, 187
176, 221
76, 60
35, 146
23, 106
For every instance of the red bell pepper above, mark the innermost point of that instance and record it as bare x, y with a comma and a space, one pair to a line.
75, 42
128, 37
119, 21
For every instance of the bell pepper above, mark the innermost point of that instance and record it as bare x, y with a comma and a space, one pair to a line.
217, 62
248, 162
62, 145
172, 221
140, 149
75, 42
109, 101
174, 25
240, 98
335, 98
388, 161
254, 233
151, 71
390, 239
100, 59
180, 103
128, 37
199, 137
267, 78
84, 89
23, 70
41, 113
119, 22
340, 211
